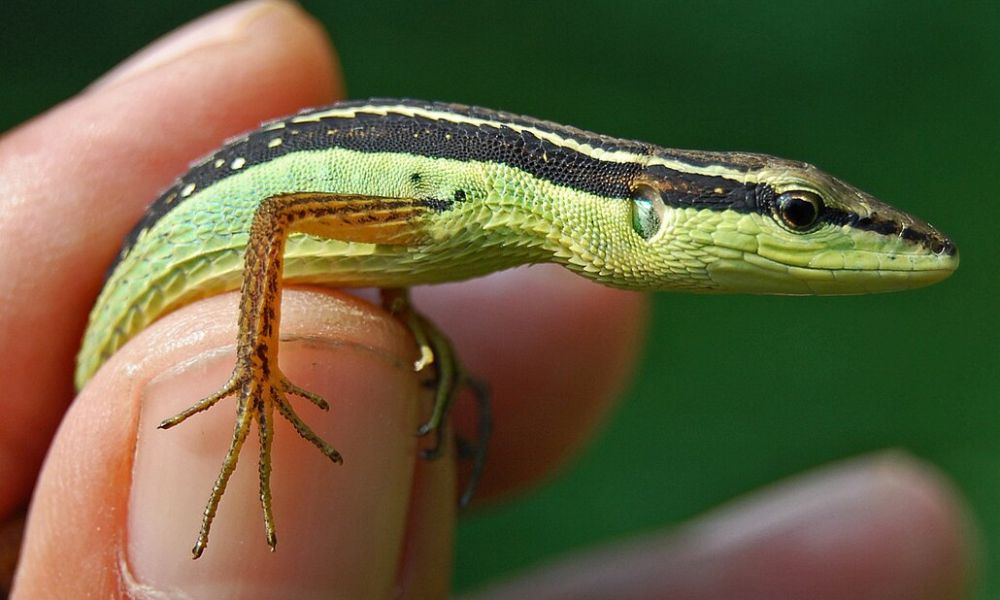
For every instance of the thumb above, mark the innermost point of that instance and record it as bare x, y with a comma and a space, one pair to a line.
118, 503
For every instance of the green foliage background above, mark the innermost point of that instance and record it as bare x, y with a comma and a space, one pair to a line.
901, 98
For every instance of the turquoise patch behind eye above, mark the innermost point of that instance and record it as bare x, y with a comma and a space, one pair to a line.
645, 218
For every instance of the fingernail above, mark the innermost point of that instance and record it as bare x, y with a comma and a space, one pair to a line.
339, 527
219, 27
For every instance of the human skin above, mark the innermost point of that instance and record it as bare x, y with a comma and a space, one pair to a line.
117, 503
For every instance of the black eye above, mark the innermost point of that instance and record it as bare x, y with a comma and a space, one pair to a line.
799, 209
646, 208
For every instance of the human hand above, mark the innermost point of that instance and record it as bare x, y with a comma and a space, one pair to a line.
117, 505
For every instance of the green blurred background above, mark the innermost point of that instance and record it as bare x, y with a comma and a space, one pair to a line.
901, 98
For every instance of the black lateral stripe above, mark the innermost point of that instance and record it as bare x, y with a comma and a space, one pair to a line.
582, 136
465, 142
691, 190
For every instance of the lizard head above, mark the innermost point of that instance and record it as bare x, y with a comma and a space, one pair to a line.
753, 223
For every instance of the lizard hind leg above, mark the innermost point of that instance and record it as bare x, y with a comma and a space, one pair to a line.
448, 379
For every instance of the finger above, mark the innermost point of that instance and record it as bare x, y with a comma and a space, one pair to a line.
887, 527
119, 502
426, 560
556, 350
77, 178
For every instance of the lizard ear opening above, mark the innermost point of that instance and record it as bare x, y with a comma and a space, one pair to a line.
647, 211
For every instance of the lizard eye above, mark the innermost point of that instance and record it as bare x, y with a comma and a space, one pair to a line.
798, 209
647, 211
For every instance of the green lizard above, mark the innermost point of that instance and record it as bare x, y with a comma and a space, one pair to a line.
395, 193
